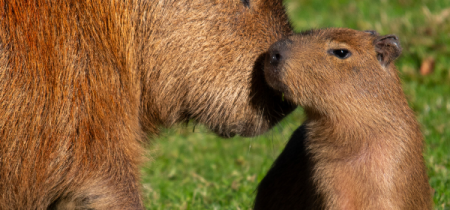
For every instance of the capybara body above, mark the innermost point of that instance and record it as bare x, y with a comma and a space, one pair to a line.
360, 146
83, 82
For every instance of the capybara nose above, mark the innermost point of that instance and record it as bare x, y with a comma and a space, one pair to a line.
275, 58
278, 51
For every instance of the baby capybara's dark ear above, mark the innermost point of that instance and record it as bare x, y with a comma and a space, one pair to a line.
388, 48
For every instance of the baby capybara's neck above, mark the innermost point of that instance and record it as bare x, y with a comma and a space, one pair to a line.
365, 122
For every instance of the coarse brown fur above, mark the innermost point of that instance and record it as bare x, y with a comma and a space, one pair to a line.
83, 81
360, 146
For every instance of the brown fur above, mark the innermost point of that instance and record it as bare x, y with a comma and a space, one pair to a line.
82, 81
360, 146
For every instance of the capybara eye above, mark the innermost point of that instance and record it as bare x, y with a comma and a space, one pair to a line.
246, 3
340, 53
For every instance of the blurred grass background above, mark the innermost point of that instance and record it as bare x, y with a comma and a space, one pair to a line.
191, 168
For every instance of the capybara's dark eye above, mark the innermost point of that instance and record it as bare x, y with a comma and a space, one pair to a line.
246, 3
340, 53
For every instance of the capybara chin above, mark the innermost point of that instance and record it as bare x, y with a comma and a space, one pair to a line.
82, 82
360, 146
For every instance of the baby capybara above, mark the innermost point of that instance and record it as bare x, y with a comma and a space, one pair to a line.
360, 146
83, 82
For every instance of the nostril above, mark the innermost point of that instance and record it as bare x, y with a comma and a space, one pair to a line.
275, 58
278, 52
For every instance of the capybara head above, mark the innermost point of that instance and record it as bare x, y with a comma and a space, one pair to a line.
324, 69
204, 62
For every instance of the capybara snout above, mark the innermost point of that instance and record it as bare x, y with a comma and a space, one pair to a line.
274, 62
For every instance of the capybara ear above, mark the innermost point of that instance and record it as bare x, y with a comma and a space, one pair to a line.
388, 48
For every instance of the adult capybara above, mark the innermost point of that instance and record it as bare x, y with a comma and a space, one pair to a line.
360, 146
83, 81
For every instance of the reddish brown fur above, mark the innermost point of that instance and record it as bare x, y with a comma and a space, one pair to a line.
360, 146
82, 81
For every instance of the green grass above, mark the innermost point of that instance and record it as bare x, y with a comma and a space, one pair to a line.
197, 170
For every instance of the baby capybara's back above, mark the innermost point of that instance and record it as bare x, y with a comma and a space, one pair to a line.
360, 146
